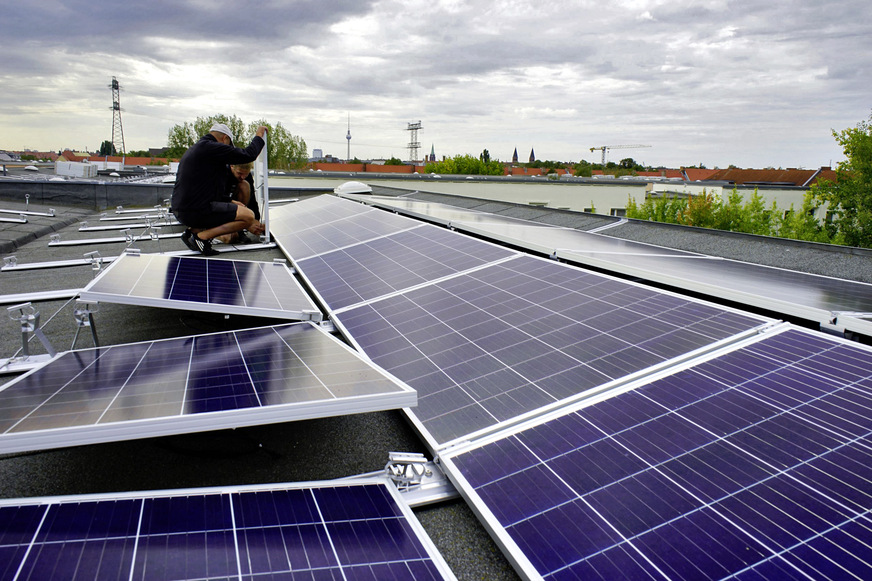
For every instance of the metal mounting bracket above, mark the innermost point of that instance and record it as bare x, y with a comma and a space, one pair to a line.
419, 480
84, 315
95, 260
28, 317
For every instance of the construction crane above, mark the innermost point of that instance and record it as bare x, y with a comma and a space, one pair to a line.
605, 148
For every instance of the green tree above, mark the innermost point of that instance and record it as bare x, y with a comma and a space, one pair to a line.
107, 148
850, 196
583, 169
183, 136
284, 150
394, 161
485, 156
803, 225
465, 165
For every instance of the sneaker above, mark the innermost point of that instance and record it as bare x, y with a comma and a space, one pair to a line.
207, 247
186, 238
196, 244
246, 238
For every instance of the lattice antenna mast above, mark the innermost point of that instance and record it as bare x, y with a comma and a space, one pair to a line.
414, 144
117, 129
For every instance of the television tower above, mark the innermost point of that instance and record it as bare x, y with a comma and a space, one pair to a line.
414, 144
117, 129
348, 137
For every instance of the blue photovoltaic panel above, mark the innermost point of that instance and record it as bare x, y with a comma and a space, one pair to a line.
326, 531
234, 286
312, 212
323, 236
756, 464
206, 382
494, 344
393, 263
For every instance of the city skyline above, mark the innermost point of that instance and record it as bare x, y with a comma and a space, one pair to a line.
716, 83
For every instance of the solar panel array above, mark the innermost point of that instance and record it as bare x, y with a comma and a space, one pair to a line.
337, 531
327, 223
793, 294
193, 283
755, 464
393, 263
188, 384
487, 335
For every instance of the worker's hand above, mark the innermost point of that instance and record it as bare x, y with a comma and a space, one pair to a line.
257, 228
261, 131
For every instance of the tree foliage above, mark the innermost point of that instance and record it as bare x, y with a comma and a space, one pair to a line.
466, 165
583, 169
107, 148
285, 151
750, 216
850, 196
394, 161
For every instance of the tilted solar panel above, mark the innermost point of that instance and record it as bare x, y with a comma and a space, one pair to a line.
392, 263
794, 294
319, 237
191, 384
502, 341
193, 283
753, 464
340, 530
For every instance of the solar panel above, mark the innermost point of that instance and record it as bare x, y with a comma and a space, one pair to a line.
498, 343
392, 263
191, 384
201, 284
791, 293
340, 530
329, 235
312, 212
752, 464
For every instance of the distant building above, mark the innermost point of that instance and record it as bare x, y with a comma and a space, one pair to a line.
515, 156
773, 177
532, 156
432, 157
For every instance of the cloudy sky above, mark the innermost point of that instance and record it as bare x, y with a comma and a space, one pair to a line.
753, 83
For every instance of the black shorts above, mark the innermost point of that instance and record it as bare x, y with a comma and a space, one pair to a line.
218, 214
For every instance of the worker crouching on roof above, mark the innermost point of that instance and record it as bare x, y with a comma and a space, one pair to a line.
200, 187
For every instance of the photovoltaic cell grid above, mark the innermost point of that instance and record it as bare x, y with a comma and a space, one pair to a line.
393, 263
793, 294
206, 382
756, 464
494, 344
326, 223
242, 287
353, 531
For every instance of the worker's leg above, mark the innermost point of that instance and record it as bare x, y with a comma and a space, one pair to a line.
244, 221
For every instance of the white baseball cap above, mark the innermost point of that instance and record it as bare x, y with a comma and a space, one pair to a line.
221, 128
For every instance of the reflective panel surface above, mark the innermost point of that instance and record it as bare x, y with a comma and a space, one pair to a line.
234, 286
393, 263
755, 463
325, 531
198, 383
495, 344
